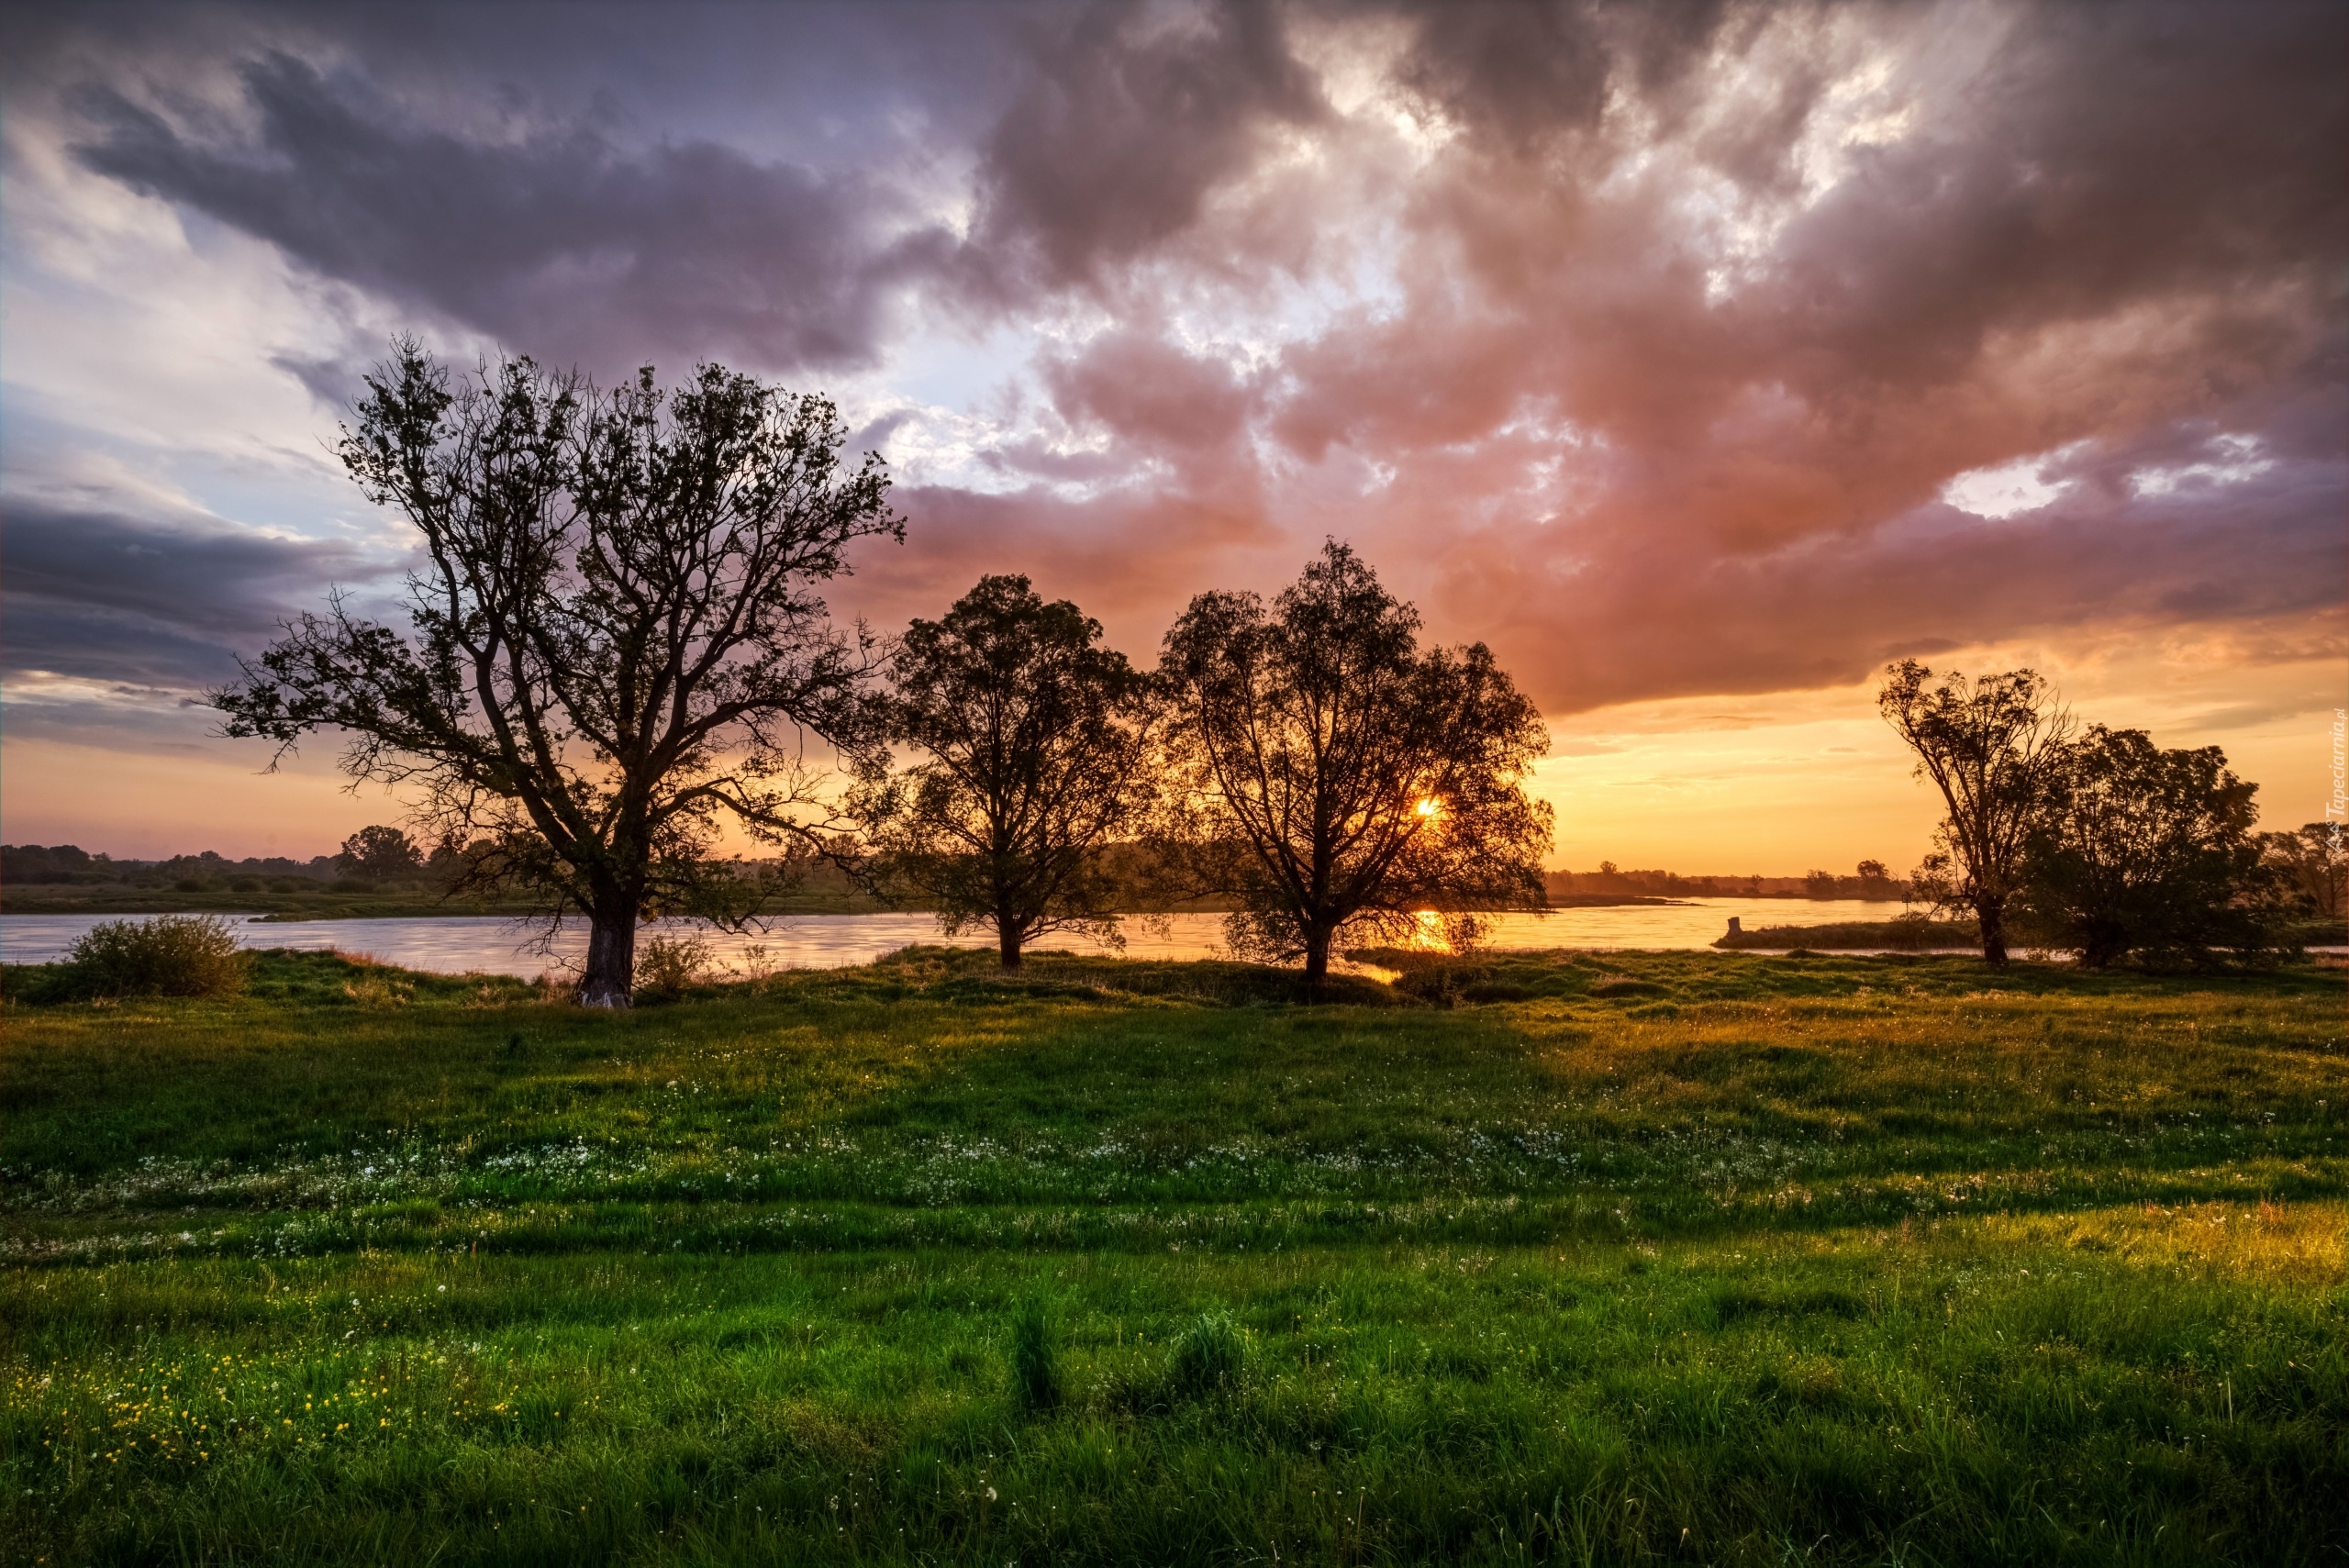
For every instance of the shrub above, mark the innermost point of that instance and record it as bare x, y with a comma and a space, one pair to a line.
171, 955
1208, 1359
1036, 1380
666, 965
380, 991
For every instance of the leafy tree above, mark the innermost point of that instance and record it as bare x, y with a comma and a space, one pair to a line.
2136, 850
56, 863
1035, 745
615, 644
1988, 745
1336, 780
2311, 867
379, 854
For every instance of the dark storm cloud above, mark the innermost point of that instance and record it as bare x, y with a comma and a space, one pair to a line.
1128, 120
1520, 73
559, 242
101, 597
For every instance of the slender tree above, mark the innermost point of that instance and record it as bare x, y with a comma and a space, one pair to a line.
1033, 741
615, 644
2136, 850
1348, 780
1989, 745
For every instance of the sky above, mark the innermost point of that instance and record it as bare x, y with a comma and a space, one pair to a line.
1699, 358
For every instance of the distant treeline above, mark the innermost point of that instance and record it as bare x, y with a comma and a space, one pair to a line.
1870, 880
69, 864
404, 866
374, 860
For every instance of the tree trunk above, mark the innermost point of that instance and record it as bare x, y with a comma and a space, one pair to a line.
1008, 944
610, 980
1992, 913
1317, 962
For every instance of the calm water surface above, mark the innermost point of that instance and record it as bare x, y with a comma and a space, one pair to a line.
456, 944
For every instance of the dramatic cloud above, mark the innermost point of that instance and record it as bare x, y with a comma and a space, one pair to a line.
1674, 348
98, 599
1648, 371
556, 241
1128, 121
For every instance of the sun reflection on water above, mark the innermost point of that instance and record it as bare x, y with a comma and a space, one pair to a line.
1428, 934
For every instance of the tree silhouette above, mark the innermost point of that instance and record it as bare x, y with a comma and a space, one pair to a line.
1990, 746
2311, 867
1034, 738
2136, 850
1335, 780
379, 854
615, 644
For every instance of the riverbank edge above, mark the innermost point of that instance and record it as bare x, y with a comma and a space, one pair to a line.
1942, 936
281, 907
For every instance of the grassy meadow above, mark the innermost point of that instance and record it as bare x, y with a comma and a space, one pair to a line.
1658, 1258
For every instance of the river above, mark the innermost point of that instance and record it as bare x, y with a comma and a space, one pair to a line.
456, 944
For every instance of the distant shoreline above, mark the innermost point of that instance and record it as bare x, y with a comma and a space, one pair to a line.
322, 906
70, 899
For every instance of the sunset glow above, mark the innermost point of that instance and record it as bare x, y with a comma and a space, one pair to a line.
1698, 366
1303, 782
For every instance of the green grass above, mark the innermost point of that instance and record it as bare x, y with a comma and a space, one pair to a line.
1623, 1257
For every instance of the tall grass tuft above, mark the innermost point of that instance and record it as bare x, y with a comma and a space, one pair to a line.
1208, 1359
170, 955
1036, 1383
667, 966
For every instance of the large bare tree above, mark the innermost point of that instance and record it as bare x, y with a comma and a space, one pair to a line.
1992, 747
1033, 756
1350, 780
615, 644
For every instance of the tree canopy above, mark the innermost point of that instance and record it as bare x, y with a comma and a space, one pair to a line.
1336, 781
1989, 746
1034, 741
2137, 850
2311, 867
379, 854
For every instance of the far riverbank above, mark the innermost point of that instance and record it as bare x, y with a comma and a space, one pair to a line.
455, 943
326, 904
